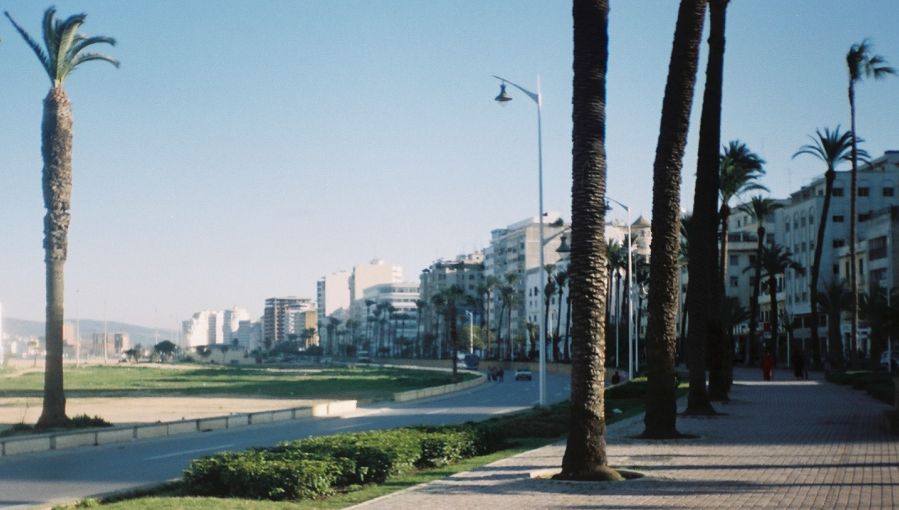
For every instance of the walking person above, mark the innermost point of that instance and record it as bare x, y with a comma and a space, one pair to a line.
798, 362
767, 365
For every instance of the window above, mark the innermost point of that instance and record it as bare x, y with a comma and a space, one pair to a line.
864, 216
803, 246
802, 220
836, 269
877, 248
864, 191
838, 192
769, 238
734, 260
734, 281
887, 192
787, 226
839, 243
838, 218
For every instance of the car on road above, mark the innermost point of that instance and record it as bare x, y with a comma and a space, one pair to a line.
523, 374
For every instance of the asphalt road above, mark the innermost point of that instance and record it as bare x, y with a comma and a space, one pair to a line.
69, 475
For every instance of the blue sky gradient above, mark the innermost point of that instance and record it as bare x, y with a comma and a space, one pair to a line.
245, 148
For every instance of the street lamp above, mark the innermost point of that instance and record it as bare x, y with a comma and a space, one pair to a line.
470, 331
502, 99
632, 360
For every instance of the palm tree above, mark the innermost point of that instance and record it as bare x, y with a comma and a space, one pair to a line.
776, 260
453, 295
420, 305
585, 453
549, 290
861, 64
832, 148
759, 209
705, 206
740, 168
487, 289
64, 51
438, 305
509, 294
686, 223
661, 338
561, 281
833, 302
875, 308
615, 261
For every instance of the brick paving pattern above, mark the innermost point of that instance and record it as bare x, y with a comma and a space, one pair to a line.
779, 444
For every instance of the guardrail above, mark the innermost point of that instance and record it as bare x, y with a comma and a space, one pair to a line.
96, 437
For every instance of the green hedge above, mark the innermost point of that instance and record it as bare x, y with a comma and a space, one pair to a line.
877, 384
259, 474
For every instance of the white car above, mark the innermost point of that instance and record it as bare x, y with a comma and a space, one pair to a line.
523, 374
885, 355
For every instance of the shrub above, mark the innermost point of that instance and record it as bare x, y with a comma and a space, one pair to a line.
447, 447
260, 474
85, 421
374, 456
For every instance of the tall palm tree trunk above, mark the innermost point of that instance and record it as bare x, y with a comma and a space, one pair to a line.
756, 292
702, 306
585, 453
56, 149
853, 235
772, 293
661, 339
829, 178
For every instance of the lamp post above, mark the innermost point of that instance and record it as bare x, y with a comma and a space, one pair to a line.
632, 359
470, 331
502, 98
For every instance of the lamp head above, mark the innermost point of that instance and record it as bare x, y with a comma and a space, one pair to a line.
502, 98
563, 249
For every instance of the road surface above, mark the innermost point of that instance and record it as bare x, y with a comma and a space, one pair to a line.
65, 476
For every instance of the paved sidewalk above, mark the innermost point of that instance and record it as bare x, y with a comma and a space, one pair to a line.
782, 444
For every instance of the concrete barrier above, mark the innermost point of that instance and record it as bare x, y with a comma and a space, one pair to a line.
115, 435
182, 427
238, 420
209, 424
261, 417
405, 396
148, 431
282, 415
29, 445
74, 440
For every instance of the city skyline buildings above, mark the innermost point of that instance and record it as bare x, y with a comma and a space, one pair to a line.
215, 177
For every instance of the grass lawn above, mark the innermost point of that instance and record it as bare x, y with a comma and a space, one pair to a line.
621, 403
314, 383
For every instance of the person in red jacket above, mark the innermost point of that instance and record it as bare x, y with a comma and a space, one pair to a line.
768, 365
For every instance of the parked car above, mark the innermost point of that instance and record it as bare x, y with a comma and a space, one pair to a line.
523, 374
885, 355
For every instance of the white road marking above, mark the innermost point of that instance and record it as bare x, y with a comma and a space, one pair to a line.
188, 452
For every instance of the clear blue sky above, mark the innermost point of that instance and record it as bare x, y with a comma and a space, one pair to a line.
245, 148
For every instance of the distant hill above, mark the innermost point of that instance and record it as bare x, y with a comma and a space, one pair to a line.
139, 334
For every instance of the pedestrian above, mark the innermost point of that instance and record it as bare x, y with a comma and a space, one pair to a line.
798, 364
500, 373
767, 365
616, 378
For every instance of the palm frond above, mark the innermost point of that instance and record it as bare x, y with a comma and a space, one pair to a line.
81, 42
87, 57
41, 55
51, 36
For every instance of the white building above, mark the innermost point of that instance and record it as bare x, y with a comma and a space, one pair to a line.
373, 273
798, 222
279, 321
332, 295
394, 330
512, 252
208, 327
